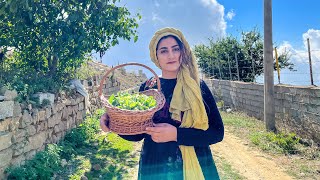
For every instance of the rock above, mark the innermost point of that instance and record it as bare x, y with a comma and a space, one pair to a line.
17, 110
64, 162
5, 139
10, 95
3, 90
6, 109
96, 167
83, 178
5, 157
43, 96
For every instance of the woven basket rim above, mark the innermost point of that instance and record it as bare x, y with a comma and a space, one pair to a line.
140, 117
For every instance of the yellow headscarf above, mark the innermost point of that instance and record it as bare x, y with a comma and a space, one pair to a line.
186, 98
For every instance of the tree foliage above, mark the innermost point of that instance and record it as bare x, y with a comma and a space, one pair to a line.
51, 38
220, 57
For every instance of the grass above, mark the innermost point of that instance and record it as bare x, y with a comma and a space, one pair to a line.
300, 160
84, 151
226, 172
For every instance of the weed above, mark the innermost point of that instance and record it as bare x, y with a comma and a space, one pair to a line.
42, 166
278, 143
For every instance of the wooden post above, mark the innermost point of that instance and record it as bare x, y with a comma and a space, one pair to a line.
253, 68
269, 110
310, 62
219, 69
277, 64
229, 68
212, 68
235, 55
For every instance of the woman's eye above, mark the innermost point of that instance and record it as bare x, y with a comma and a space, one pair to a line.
176, 49
163, 51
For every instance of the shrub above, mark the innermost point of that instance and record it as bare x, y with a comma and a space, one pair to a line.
281, 142
42, 166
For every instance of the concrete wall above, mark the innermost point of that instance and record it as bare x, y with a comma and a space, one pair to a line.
297, 107
25, 130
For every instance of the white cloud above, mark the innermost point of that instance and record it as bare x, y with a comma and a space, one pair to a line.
230, 14
300, 58
219, 24
156, 3
314, 39
206, 2
314, 36
301, 55
156, 19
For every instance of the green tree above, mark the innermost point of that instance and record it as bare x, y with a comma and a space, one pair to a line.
218, 58
51, 38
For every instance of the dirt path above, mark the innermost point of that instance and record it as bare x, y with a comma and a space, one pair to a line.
250, 164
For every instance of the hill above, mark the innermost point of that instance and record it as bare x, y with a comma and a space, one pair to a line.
127, 79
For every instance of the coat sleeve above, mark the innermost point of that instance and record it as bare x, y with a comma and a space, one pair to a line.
215, 132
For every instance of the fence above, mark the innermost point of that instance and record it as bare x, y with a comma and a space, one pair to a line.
251, 70
297, 108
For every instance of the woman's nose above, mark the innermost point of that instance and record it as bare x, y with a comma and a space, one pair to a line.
171, 54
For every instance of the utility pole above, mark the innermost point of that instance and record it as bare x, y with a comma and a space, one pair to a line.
269, 111
310, 62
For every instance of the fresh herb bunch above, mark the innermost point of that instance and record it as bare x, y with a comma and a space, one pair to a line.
132, 101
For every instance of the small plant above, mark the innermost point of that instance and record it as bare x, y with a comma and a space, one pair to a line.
283, 143
45, 102
42, 166
220, 104
86, 131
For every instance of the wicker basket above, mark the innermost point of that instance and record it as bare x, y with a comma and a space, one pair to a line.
129, 122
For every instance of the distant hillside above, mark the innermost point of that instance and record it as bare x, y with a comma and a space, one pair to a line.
126, 79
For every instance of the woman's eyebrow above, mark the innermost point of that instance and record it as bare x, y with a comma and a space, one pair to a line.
171, 47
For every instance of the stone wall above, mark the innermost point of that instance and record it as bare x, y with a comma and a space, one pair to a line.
25, 130
297, 107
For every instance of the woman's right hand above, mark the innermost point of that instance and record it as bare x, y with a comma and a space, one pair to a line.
104, 122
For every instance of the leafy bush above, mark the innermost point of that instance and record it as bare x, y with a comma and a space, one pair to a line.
85, 132
283, 143
45, 163
42, 166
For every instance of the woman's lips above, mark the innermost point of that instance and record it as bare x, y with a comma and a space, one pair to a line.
172, 62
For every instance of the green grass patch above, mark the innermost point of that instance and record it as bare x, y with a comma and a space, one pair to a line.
84, 151
226, 172
276, 143
302, 160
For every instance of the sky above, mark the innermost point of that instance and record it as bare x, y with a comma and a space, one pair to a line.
293, 22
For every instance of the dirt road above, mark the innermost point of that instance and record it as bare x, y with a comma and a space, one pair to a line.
250, 164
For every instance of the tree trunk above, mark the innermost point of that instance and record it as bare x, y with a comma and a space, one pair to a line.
52, 63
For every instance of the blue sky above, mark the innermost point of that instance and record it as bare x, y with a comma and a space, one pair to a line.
293, 22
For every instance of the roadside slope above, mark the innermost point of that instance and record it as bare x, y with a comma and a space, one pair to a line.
250, 163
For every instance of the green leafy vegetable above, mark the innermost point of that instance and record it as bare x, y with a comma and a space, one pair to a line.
132, 101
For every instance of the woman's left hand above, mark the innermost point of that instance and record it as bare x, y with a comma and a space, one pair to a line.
162, 132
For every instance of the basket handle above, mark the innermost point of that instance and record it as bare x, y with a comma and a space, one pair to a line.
127, 64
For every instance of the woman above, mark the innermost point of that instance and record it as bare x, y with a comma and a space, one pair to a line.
177, 147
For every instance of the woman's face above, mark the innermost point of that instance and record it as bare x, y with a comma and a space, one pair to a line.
168, 54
